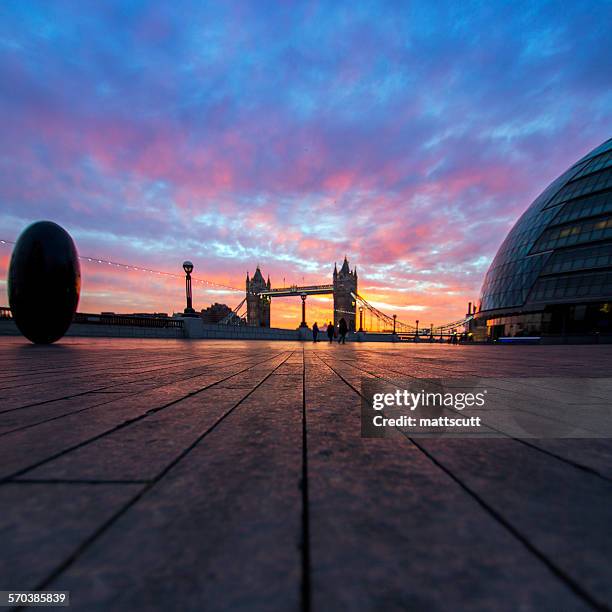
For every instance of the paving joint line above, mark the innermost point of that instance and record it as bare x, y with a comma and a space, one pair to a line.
110, 400
305, 543
59, 399
552, 567
127, 423
71, 559
575, 464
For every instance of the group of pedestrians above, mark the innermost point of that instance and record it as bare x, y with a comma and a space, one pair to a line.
331, 331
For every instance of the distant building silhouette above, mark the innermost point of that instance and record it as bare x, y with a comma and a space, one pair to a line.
215, 313
258, 307
345, 283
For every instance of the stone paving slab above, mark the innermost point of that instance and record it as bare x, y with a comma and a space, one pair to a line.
537, 495
417, 541
27, 448
160, 437
43, 524
233, 544
169, 474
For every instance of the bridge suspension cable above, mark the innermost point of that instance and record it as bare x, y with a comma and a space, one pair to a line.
400, 326
385, 319
454, 324
234, 317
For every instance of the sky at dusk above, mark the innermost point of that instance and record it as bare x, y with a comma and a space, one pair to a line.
408, 136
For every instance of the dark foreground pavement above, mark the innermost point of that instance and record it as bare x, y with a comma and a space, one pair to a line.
214, 475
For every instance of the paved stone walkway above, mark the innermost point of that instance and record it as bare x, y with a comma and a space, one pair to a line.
214, 475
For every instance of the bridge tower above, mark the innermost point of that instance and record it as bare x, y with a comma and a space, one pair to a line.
345, 282
258, 307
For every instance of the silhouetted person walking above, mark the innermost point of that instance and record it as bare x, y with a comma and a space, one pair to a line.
330, 331
342, 331
315, 331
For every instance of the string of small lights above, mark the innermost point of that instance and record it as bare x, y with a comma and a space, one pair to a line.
122, 266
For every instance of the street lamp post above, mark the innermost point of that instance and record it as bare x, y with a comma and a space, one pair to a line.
361, 318
416, 333
188, 267
303, 323
394, 321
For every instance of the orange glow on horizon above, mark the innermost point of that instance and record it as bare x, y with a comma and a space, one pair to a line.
106, 288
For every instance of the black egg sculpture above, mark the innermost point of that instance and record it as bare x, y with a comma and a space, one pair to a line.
44, 282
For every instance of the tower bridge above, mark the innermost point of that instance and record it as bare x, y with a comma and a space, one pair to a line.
347, 302
259, 294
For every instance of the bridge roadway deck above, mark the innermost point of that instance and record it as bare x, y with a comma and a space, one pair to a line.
214, 475
295, 290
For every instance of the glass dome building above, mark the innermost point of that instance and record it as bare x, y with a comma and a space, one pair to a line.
552, 275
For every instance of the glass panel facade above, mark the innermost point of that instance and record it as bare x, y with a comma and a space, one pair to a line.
602, 148
589, 230
583, 258
576, 209
509, 284
597, 163
579, 286
585, 207
518, 325
590, 319
589, 184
